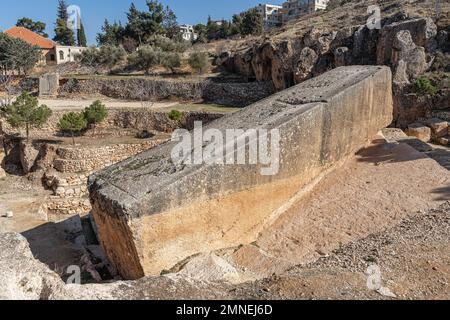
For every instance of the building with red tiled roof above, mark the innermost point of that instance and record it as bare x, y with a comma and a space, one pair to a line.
31, 37
52, 53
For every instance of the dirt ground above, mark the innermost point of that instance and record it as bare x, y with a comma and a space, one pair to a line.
376, 228
413, 260
81, 103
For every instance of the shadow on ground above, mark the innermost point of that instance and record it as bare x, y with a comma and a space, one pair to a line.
381, 152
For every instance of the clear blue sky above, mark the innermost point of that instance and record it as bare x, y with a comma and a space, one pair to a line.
94, 12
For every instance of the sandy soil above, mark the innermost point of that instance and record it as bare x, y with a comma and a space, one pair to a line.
413, 260
371, 192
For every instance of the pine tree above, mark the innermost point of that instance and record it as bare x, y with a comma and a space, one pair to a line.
81, 36
35, 26
73, 123
95, 113
26, 112
134, 27
63, 34
170, 23
252, 23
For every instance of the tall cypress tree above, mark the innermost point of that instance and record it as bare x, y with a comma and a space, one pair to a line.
81, 36
63, 34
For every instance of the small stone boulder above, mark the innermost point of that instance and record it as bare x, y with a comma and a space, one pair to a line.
419, 131
28, 156
21, 276
306, 62
439, 128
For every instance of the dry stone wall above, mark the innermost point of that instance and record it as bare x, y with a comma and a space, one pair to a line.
137, 119
72, 160
231, 94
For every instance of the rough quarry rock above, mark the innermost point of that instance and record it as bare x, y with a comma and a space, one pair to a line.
306, 62
422, 30
419, 131
152, 213
21, 276
408, 56
2, 156
439, 128
28, 156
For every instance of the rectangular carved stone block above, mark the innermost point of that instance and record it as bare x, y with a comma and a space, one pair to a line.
152, 213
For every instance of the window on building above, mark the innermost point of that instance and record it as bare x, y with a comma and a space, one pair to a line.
61, 55
52, 57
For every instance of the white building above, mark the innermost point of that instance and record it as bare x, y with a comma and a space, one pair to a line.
293, 9
187, 32
270, 14
65, 54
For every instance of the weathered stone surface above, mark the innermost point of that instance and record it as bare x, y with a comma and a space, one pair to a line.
306, 62
28, 156
410, 58
21, 276
49, 85
419, 131
232, 94
439, 128
2, 157
422, 30
342, 56
152, 214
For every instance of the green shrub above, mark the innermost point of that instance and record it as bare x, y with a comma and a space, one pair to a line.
145, 58
424, 86
73, 123
110, 56
175, 115
167, 45
95, 113
199, 61
171, 60
107, 56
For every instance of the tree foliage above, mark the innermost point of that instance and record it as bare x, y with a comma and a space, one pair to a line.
106, 56
26, 113
81, 36
95, 113
171, 60
145, 58
199, 61
252, 23
73, 123
112, 34
141, 26
17, 55
63, 34
35, 26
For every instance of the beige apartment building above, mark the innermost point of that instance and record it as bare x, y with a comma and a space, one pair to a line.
270, 14
293, 9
